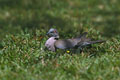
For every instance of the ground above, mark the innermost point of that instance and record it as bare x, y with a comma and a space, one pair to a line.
23, 27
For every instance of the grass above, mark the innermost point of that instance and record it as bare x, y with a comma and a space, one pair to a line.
24, 25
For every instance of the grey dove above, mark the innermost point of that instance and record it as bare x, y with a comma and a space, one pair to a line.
54, 43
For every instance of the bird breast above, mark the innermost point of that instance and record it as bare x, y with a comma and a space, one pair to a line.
50, 43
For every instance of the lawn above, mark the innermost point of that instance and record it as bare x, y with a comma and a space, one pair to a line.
23, 28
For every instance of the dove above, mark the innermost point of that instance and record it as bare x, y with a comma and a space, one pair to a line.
54, 42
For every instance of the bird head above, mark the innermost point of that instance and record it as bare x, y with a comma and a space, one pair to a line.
53, 33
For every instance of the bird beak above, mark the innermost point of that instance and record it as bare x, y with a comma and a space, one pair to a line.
47, 33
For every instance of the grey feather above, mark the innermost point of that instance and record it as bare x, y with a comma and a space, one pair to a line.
53, 43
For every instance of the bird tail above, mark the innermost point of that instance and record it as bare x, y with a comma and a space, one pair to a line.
86, 43
94, 42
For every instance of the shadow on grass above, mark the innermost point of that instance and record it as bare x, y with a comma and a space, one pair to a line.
110, 23
45, 22
9, 3
112, 29
39, 19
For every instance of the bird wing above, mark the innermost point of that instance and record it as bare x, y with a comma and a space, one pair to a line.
64, 44
69, 43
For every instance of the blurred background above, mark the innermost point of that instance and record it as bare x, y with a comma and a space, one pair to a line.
71, 15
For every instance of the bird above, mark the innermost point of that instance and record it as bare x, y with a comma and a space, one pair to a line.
54, 43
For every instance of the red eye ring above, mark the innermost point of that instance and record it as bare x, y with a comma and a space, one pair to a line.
54, 31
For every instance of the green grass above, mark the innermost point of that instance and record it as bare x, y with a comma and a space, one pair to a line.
24, 23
